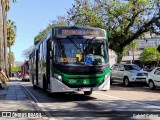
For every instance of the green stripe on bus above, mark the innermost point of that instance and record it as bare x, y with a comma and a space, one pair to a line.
82, 79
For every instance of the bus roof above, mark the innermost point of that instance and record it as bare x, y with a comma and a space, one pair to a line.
73, 30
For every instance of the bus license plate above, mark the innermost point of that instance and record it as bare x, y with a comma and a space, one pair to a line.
84, 89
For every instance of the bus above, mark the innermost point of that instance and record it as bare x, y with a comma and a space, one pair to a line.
71, 59
25, 71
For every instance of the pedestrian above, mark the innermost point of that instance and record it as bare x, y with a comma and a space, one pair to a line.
3, 78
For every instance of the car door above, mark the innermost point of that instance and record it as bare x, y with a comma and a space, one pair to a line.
156, 77
114, 71
121, 72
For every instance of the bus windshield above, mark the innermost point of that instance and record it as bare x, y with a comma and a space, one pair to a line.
81, 51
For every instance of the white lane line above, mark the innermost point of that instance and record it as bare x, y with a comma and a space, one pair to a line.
110, 96
39, 104
135, 102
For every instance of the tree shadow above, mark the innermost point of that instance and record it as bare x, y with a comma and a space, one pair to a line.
140, 87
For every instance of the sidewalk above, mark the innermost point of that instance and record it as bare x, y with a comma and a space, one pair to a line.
14, 98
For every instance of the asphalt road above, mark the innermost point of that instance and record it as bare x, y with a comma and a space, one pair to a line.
120, 102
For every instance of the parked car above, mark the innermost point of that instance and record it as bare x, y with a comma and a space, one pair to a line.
127, 73
153, 79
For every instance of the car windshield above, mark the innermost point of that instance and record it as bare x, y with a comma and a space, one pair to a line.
132, 67
80, 51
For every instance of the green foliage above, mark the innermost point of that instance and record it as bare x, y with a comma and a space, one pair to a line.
133, 46
11, 58
11, 33
59, 22
150, 54
15, 68
125, 21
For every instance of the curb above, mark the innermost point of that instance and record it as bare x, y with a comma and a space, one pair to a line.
39, 105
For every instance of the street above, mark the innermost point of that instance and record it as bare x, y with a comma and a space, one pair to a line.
124, 100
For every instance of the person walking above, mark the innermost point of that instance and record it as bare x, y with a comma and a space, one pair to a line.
3, 78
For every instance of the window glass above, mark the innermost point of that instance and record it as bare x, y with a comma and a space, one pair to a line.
121, 68
115, 67
132, 67
157, 71
80, 51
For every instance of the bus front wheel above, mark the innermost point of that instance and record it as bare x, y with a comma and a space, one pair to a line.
87, 92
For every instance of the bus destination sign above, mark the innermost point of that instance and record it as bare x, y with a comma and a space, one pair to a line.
80, 31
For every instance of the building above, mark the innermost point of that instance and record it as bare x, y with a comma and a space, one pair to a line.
146, 41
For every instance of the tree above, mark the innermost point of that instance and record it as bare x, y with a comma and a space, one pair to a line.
125, 21
133, 47
150, 54
11, 35
15, 69
4, 8
11, 58
60, 22
26, 52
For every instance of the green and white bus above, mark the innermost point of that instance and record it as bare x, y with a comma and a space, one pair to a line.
71, 59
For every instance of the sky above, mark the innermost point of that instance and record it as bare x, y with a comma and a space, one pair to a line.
30, 17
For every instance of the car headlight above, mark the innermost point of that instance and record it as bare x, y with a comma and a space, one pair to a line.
58, 76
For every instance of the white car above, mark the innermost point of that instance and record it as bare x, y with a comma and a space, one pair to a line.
153, 79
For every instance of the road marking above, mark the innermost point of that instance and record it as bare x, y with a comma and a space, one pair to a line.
135, 102
39, 104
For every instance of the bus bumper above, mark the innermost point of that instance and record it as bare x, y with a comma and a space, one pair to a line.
58, 86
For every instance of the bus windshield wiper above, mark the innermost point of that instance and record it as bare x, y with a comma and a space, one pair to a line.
73, 42
91, 41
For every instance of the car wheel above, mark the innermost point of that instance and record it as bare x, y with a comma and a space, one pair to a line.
111, 81
151, 85
126, 81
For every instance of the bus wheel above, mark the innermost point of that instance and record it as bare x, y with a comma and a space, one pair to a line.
34, 87
49, 94
87, 92
44, 83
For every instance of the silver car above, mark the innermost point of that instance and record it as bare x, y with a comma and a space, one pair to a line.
127, 73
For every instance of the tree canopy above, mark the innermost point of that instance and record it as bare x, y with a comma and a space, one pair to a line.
11, 33
150, 54
125, 21
26, 52
60, 22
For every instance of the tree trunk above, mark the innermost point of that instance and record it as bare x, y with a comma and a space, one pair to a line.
133, 57
5, 41
10, 73
1, 38
119, 56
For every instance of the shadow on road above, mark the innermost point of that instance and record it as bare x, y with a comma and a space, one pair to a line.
141, 87
61, 97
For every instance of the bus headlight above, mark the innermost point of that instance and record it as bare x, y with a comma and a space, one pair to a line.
58, 76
